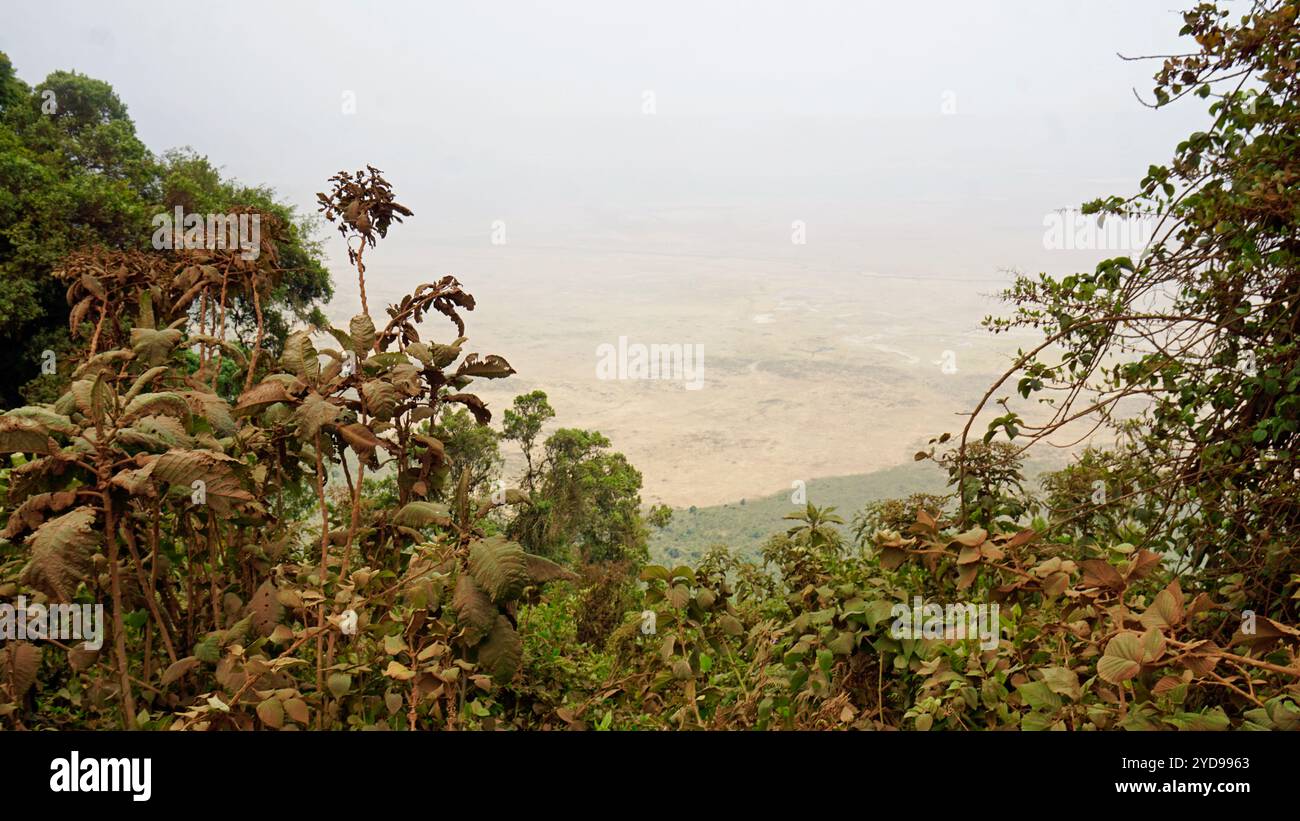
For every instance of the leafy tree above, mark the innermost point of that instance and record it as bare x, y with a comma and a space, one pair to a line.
987, 479
180, 493
816, 529
523, 423
74, 175
894, 515
1099, 498
587, 500
472, 449
809, 551
1201, 331
191, 181
659, 516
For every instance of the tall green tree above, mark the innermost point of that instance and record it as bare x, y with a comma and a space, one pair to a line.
522, 423
471, 448
587, 503
74, 174
1203, 329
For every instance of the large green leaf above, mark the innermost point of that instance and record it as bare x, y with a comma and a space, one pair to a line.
500, 567
1213, 719
1039, 696
420, 514
502, 652
543, 570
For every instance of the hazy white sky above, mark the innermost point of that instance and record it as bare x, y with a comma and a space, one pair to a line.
764, 113
649, 163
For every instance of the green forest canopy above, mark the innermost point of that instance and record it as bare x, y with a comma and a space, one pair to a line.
74, 175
